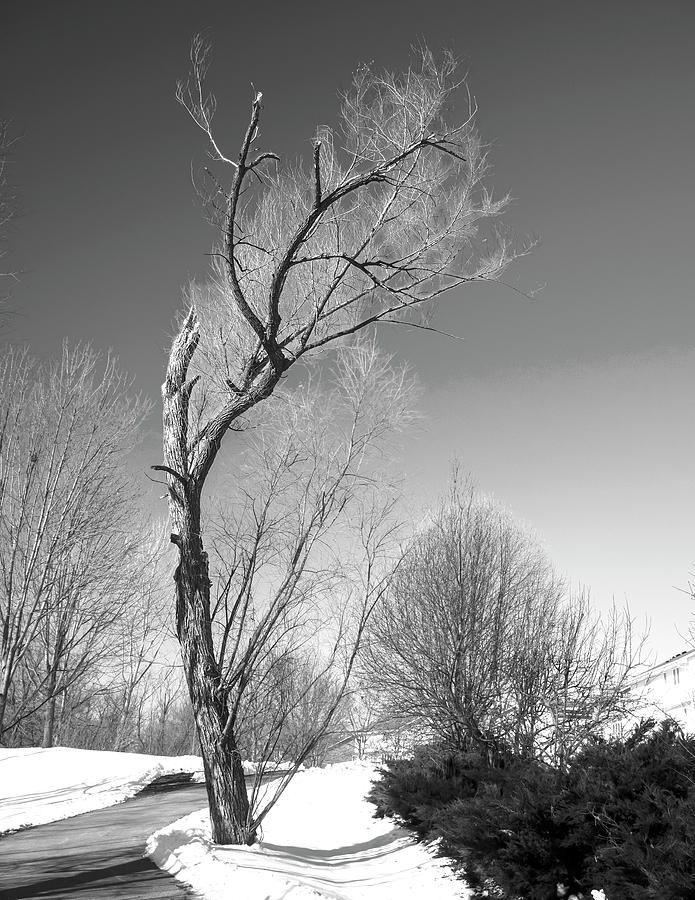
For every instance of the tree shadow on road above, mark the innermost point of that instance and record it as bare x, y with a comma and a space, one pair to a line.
132, 879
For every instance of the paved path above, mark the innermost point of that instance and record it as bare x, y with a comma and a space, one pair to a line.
98, 855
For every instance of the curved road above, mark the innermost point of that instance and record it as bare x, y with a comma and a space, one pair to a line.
97, 855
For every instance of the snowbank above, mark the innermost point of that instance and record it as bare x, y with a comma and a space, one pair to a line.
39, 786
320, 841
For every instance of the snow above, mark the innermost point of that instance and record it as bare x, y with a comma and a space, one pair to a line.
39, 786
320, 841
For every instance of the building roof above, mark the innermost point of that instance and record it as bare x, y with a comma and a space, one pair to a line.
646, 674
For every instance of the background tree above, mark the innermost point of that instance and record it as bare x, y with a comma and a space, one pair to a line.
588, 670
480, 642
372, 727
104, 620
86, 598
66, 520
118, 685
142, 639
162, 720
386, 219
293, 713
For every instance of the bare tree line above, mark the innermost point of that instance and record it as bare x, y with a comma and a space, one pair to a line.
87, 659
67, 512
82, 577
118, 683
83, 605
471, 636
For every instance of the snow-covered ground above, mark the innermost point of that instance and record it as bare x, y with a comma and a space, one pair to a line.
39, 786
320, 841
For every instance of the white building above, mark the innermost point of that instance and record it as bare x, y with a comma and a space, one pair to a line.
667, 691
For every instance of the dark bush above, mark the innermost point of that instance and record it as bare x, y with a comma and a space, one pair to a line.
622, 818
412, 791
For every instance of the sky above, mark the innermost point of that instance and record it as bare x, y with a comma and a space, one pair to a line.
575, 408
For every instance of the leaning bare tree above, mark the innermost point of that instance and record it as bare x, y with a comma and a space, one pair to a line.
387, 218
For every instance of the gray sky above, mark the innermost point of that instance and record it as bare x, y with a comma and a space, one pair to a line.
574, 409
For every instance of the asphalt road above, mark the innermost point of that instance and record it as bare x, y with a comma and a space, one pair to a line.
97, 855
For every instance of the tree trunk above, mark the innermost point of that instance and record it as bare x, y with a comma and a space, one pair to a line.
224, 774
3, 705
50, 705
49, 714
194, 748
119, 741
49, 718
4, 692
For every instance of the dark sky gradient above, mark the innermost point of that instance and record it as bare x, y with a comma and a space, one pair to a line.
576, 408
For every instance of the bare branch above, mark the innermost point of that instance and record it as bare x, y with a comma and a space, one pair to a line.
177, 475
317, 174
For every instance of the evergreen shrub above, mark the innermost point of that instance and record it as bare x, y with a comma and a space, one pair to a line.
414, 790
622, 818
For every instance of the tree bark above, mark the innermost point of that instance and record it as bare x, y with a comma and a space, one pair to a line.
3, 706
224, 773
49, 715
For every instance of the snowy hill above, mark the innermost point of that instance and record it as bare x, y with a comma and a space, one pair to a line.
39, 786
